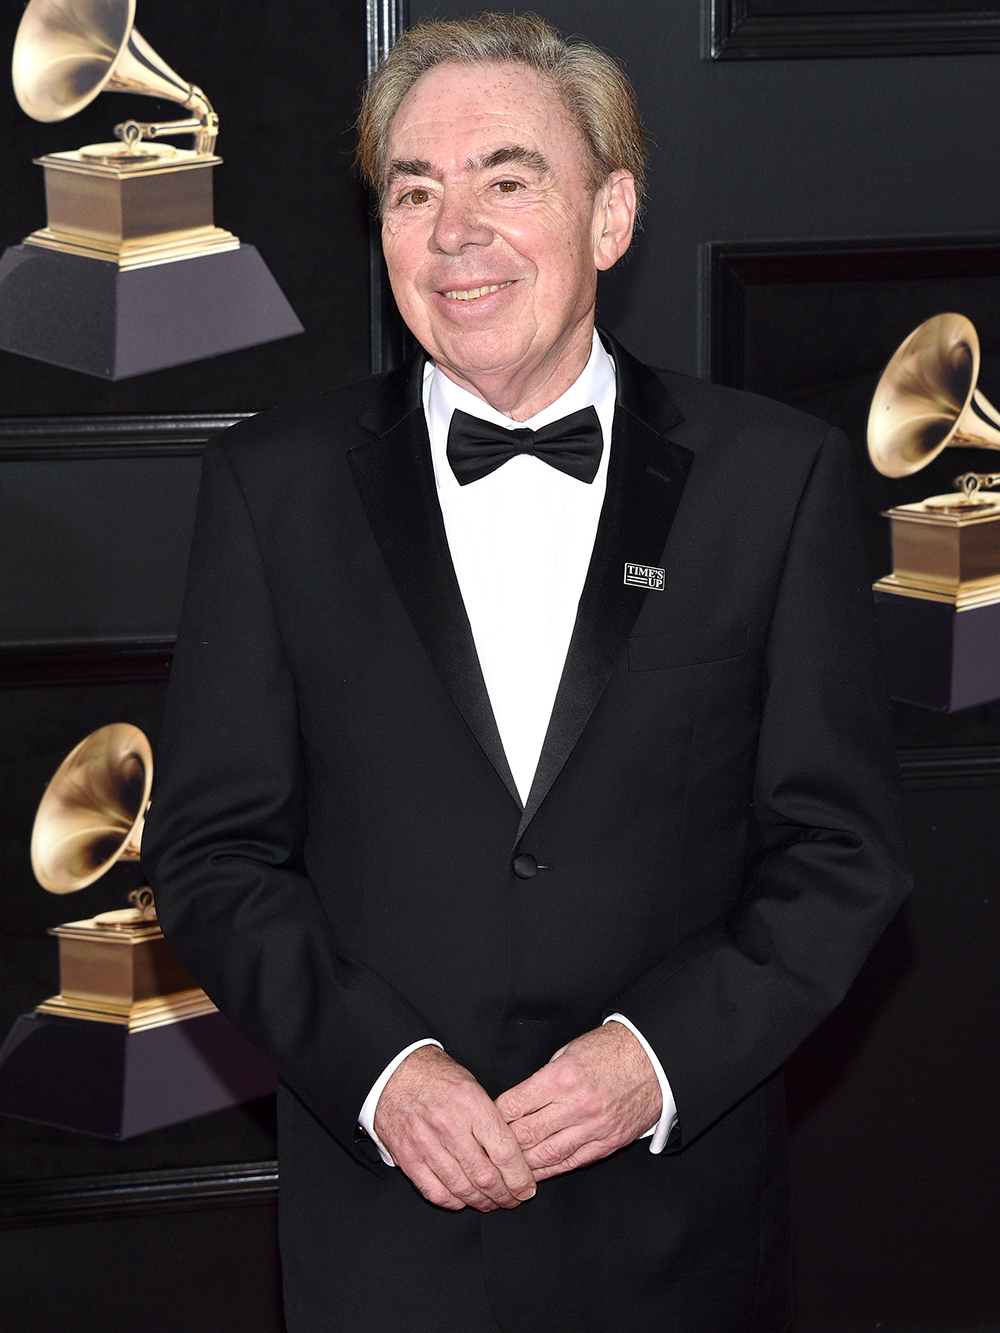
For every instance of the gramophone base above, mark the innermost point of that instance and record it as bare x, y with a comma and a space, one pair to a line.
88, 315
99, 1078
936, 655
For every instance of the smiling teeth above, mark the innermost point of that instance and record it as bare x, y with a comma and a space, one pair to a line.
473, 292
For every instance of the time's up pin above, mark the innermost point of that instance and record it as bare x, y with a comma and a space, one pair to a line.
645, 576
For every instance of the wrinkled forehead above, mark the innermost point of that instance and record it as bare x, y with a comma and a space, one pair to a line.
455, 103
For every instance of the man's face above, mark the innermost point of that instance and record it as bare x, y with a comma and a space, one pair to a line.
492, 236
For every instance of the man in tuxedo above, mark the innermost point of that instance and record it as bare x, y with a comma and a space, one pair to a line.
525, 790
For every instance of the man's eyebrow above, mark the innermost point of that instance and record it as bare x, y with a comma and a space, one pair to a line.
409, 166
515, 154
509, 154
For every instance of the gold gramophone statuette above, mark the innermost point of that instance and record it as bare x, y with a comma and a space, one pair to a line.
947, 547
115, 967
135, 201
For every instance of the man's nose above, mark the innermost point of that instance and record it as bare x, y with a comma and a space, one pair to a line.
459, 223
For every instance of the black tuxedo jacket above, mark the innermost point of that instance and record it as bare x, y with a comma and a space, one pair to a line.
710, 846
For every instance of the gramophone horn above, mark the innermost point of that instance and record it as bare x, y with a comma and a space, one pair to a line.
93, 809
927, 399
68, 51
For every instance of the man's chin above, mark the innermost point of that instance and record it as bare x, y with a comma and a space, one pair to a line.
480, 355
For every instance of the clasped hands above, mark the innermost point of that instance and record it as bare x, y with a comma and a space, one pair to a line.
460, 1148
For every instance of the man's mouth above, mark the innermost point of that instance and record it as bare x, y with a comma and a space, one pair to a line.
473, 293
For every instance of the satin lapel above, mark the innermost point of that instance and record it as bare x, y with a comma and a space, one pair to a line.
646, 477
395, 479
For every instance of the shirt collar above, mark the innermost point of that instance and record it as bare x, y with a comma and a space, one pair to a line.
595, 386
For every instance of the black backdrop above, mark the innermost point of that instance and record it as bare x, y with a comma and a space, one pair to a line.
175, 1229
893, 1099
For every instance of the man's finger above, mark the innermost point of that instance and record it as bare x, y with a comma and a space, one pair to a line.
433, 1166
524, 1098
457, 1181
539, 1125
433, 1190
557, 1148
492, 1161
589, 1152
439, 1170
483, 1178
504, 1151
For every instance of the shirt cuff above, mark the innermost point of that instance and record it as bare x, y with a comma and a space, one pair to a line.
367, 1117
660, 1132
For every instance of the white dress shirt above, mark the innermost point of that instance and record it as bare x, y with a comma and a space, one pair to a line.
521, 539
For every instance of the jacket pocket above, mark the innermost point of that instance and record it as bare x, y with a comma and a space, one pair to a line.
677, 648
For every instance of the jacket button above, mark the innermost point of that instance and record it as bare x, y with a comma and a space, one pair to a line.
525, 865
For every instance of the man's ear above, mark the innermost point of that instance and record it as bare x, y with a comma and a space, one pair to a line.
614, 218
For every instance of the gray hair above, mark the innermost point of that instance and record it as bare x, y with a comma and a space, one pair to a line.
593, 87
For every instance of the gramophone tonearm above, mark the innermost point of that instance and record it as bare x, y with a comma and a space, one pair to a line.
65, 54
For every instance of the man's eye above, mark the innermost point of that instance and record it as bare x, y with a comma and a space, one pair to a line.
508, 187
419, 195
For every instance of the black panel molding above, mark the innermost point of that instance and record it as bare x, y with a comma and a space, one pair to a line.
137, 1194
390, 340
731, 267
951, 766
59, 438
736, 32
86, 663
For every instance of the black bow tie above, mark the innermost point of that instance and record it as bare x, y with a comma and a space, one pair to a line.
573, 445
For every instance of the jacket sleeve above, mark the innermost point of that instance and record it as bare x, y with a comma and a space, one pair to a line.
226, 824
727, 1007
